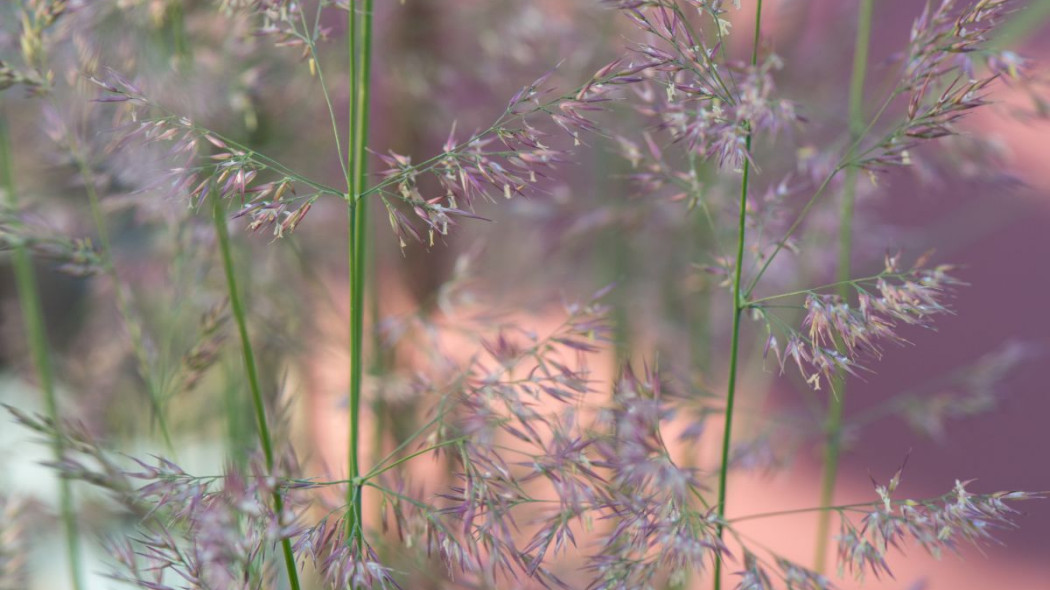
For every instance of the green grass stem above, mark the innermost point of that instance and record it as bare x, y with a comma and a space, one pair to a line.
739, 305
240, 317
131, 323
836, 403
360, 58
36, 336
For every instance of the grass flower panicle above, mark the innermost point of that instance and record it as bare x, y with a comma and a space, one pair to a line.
941, 77
938, 524
837, 335
660, 526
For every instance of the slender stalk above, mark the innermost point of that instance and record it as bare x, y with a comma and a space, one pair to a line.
706, 235
36, 336
850, 158
616, 263
739, 305
177, 26
308, 38
133, 327
360, 55
838, 285
381, 469
795, 511
836, 404
237, 306
131, 323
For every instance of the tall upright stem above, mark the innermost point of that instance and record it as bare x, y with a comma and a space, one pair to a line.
739, 304
248, 354
360, 56
131, 323
36, 336
833, 424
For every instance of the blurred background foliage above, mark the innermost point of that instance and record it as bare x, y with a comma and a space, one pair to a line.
140, 339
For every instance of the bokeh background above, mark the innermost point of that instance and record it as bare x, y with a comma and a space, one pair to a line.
440, 63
